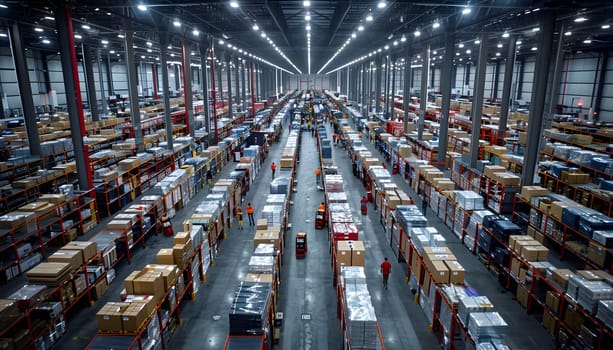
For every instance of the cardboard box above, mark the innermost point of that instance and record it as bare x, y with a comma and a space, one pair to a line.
261, 224
120, 225
533, 252
439, 272
9, 312
549, 322
515, 266
513, 241
181, 238
259, 277
53, 198
552, 300
72, 257
170, 273
87, 249
557, 207
149, 283
267, 236
597, 254
100, 288
489, 170
561, 276
522, 296
456, 272
165, 256
350, 253
109, 316
133, 317
573, 318
129, 281
577, 178
527, 192
286, 162
148, 300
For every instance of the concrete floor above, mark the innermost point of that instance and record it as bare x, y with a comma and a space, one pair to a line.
306, 285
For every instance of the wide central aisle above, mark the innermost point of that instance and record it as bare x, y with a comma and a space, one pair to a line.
205, 321
308, 298
401, 321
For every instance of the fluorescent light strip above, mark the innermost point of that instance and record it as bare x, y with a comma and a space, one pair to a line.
359, 29
272, 43
252, 56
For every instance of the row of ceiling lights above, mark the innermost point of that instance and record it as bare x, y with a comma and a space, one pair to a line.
250, 55
272, 43
466, 11
369, 18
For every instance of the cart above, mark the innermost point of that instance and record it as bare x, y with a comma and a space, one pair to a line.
320, 219
167, 226
301, 245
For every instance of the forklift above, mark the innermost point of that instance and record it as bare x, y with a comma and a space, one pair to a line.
301, 245
320, 219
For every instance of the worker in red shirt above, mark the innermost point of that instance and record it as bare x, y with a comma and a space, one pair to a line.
386, 269
273, 167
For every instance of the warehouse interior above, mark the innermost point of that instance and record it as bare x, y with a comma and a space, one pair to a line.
236, 174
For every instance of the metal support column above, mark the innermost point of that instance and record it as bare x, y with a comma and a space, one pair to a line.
244, 84
477, 107
105, 108
446, 77
214, 89
539, 91
109, 76
237, 89
68, 56
251, 88
386, 90
520, 79
187, 86
229, 83
363, 89
599, 85
407, 77
202, 46
423, 94
91, 84
506, 87
166, 89
378, 78
133, 89
154, 73
393, 88
557, 74
495, 80
25, 88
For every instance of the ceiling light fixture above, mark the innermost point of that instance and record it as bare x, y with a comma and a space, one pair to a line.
120, 36
255, 27
505, 35
466, 10
112, 52
580, 19
221, 42
308, 27
353, 35
536, 29
605, 26
417, 32
587, 41
234, 4
403, 38
49, 18
361, 28
518, 42
306, 3
3, 6
497, 53
533, 49
77, 36
40, 30
196, 32
499, 45
460, 45
477, 42
436, 24
45, 41
568, 33
381, 4
142, 7
263, 35
104, 42
176, 23
307, 17
369, 18
85, 26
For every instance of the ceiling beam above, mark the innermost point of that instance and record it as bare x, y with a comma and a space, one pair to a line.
340, 13
277, 16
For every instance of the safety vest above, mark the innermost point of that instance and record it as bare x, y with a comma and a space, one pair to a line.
249, 210
273, 166
317, 171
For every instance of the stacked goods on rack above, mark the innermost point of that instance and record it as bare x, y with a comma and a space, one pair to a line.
359, 319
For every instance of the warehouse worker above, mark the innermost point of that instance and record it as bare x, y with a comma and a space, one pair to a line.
363, 206
250, 214
322, 207
317, 174
273, 167
386, 269
424, 204
238, 213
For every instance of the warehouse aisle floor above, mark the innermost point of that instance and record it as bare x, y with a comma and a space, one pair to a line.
403, 324
306, 284
524, 331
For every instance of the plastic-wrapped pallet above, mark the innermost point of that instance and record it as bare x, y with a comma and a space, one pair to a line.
353, 275
336, 197
341, 216
278, 199
469, 304
604, 237
334, 183
249, 309
261, 264
605, 311
591, 292
581, 156
281, 184
339, 207
469, 200
265, 249
485, 326
273, 215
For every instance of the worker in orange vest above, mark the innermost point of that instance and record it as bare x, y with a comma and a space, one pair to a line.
322, 207
317, 174
250, 214
273, 167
